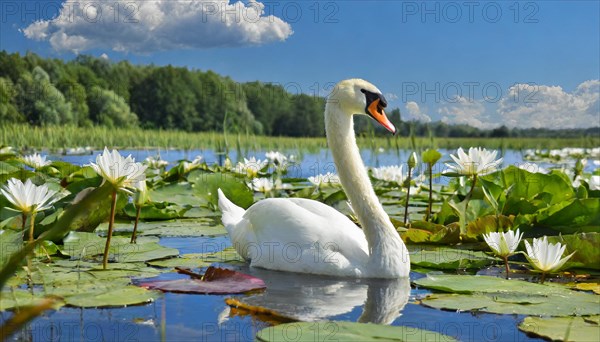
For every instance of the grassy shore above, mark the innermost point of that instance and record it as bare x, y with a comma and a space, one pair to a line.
60, 137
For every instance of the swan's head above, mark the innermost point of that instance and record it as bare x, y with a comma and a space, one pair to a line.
356, 96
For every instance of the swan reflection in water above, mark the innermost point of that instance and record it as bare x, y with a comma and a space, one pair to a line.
307, 297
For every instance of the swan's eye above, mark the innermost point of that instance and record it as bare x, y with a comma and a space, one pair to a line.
370, 97
382, 101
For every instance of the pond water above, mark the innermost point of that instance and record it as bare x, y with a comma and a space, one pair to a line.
310, 164
185, 317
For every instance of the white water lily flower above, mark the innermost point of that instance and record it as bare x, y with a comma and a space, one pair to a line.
276, 157
36, 161
328, 179
28, 197
6, 150
503, 244
532, 167
194, 164
78, 150
594, 182
266, 184
389, 173
251, 167
122, 173
575, 182
155, 162
545, 256
479, 162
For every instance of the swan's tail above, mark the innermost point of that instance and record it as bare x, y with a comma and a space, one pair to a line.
232, 214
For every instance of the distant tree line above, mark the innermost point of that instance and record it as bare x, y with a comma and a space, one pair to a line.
442, 129
95, 91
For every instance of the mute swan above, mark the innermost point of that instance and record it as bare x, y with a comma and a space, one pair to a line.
306, 236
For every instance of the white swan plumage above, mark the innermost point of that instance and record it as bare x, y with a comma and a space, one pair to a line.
306, 236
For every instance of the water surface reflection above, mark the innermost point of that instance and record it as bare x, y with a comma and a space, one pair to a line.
312, 297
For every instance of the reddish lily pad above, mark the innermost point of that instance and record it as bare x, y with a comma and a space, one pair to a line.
214, 281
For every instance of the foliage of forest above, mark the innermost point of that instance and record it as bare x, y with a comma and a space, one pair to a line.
89, 91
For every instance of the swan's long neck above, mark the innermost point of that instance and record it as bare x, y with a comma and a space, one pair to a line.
381, 235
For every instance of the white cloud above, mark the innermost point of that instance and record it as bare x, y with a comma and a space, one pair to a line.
551, 107
391, 96
415, 113
146, 26
465, 111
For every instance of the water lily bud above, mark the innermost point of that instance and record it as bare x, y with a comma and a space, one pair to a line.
227, 164
412, 160
141, 196
579, 166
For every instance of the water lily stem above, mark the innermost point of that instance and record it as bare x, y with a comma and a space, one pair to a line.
23, 221
430, 192
32, 218
135, 225
543, 278
468, 198
407, 195
110, 228
506, 264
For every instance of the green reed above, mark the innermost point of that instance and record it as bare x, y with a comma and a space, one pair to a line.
61, 137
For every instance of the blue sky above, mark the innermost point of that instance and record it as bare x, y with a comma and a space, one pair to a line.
526, 64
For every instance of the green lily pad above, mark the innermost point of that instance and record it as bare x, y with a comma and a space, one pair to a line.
64, 169
227, 255
83, 245
200, 212
196, 260
450, 258
6, 168
540, 189
585, 246
178, 193
495, 295
113, 297
65, 272
346, 331
205, 185
105, 291
111, 272
595, 287
156, 211
180, 262
562, 328
427, 232
430, 156
471, 284
88, 221
190, 227
572, 216
553, 305
489, 223
126, 252
10, 241
12, 298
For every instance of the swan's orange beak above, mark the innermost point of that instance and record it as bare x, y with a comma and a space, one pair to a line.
376, 111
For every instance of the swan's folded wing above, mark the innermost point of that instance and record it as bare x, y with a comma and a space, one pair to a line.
304, 236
